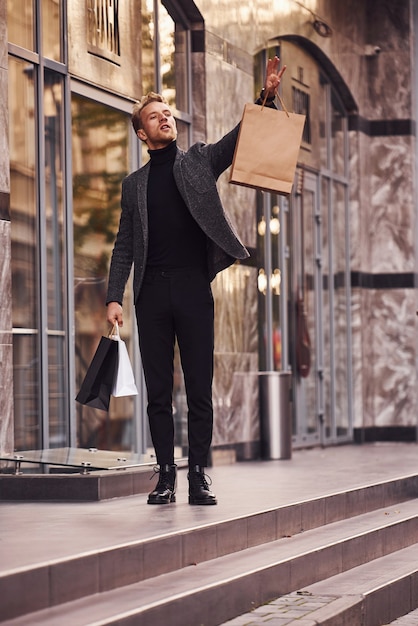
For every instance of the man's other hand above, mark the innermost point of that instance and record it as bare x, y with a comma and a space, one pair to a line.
114, 313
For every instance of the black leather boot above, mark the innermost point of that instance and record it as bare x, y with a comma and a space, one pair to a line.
165, 490
199, 492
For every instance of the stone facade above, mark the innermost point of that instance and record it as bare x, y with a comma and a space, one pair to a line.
371, 59
6, 356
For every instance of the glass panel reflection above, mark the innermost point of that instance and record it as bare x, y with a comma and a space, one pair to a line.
338, 126
169, 41
326, 312
100, 162
58, 429
166, 51
180, 65
22, 142
27, 431
20, 26
306, 297
51, 35
340, 311
55, 260
147, 46
321, 112
54, 209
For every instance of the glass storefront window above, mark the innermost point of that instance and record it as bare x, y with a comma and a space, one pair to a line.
21, 26
326, 242
55, 256
180, 67
100, 144
306, 300
322, 137
23, 192
51, 40
271, 234
54, 209
167, 50
165, 55
338, 133
147, 46
20, 23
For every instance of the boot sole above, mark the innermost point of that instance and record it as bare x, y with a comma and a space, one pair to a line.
162, 501
205, 502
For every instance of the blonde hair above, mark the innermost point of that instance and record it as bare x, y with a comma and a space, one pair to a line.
140, 106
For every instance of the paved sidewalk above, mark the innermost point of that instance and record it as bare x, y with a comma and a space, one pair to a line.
296, 606
411, 619
282, 611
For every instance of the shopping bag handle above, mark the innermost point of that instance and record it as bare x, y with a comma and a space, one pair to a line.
114, 333
280, 100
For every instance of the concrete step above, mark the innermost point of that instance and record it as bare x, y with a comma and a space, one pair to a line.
74, 487
211, 592
63, 579
372, 594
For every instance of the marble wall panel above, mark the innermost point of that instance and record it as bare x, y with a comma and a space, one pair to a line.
382, 234
389, 345
229, 85
6, 352
381, 203
4, 132
3, 36
199, 104
235, 386
356, 199
235, 399
390, 223
6, 398
357, 344
5, 281
228, 89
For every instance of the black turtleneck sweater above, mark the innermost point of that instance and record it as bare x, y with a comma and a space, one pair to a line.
175, 239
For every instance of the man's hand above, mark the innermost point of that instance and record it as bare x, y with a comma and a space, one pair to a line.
273, 76
114, 313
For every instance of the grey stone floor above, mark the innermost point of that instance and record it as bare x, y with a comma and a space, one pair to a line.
37, 532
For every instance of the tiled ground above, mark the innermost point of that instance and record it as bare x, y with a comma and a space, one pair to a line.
407, 620
282, 611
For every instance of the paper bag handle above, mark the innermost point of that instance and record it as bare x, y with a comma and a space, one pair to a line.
280, 100
114, 333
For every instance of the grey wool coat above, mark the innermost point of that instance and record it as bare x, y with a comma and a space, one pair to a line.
196, 172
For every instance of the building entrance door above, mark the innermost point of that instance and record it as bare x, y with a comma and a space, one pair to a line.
306, 321
320, 351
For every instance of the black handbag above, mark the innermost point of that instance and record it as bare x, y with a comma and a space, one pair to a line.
98, 382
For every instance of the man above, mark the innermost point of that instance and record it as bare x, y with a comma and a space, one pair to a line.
174, 230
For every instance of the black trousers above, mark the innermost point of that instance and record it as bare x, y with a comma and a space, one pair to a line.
177, 303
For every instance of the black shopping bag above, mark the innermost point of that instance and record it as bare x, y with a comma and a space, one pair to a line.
97, 385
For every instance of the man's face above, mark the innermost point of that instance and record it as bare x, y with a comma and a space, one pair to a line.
158, 125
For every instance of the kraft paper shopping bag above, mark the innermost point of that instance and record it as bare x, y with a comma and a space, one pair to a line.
267, 149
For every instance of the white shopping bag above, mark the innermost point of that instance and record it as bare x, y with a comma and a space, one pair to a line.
124, 384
